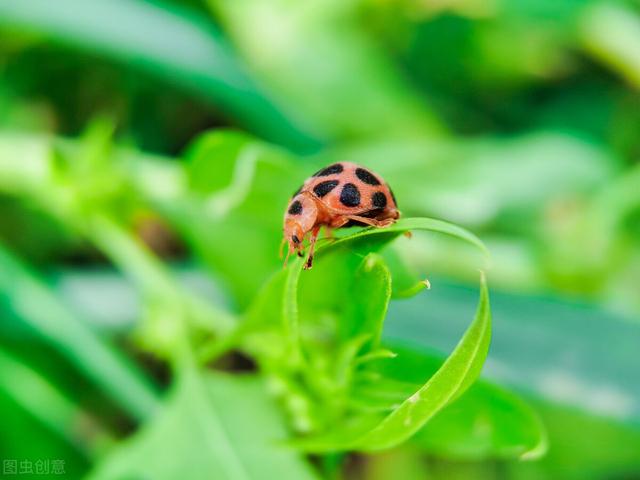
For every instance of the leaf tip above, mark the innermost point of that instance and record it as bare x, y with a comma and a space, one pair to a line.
536, 452
483, 278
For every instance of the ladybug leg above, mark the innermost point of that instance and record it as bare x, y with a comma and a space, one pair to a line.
290, 250
372, 221
386, 222
339, 221
282, 244
312, 243
328, 232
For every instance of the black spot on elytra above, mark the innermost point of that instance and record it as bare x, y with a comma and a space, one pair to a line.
350, 196
295, 208
379, 200
330, 170
323, 188
367, 177
295, 239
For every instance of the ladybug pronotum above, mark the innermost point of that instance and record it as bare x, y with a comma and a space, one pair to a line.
340, 195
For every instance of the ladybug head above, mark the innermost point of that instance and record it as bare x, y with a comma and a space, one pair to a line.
298, 221
294, 237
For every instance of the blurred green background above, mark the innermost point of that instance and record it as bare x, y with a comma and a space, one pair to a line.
147, 151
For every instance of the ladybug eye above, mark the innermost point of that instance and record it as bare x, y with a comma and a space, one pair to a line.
295, 239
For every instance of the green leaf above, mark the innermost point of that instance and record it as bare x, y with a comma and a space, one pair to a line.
536, 361
573, 453
610, 31
450, 381
485, 422
405, 281
326, 290
215, 162
344, 296
37, 395
235, 226
23, 436
324, 64
334, 318
276, 312
36, 305
342, 304
455, 376
171, 42
375, 238
213, 425
314, 324
370, 295
270, 328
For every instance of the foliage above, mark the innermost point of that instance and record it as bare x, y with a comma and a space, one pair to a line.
319, 343
515, 120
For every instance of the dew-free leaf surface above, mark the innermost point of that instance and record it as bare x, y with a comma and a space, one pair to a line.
213, 425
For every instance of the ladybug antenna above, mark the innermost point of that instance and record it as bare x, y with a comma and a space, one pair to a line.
282, 244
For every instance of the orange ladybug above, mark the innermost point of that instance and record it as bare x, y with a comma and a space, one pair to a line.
341, 195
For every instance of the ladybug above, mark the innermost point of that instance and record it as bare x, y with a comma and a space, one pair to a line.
341, 195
